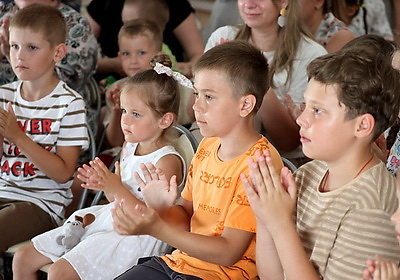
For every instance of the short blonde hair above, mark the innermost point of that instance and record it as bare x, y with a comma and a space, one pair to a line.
44, 19
142, 27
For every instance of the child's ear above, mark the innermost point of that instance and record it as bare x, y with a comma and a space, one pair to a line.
365, 125
60, 52
166, 120
247, 103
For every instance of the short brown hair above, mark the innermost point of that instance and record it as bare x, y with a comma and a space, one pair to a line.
373, 44
365, 84
44, 19
244, 65
142, 27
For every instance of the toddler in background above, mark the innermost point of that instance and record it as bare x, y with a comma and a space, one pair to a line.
139, 40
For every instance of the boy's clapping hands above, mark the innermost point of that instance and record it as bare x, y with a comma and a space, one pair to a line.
272, 197
381, 269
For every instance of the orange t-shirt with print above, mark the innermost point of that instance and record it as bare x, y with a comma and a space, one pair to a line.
219, 200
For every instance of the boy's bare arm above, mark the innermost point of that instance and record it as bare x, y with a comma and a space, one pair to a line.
267, 258
272, 197
114, 134
59, 166
223, 250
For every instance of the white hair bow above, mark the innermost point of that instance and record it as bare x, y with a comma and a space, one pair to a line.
181, 79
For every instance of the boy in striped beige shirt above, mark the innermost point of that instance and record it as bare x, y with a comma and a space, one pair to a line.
344, 197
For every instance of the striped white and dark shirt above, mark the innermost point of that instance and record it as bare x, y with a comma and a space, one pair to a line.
57, 119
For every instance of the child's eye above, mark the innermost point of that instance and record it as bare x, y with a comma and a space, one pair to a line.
136, 115
141, 53
195, 93
33, 48
14, 46
125, 53
317, 111
208, 97
123, 111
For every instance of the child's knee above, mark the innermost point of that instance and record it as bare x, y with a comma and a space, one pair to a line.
23, 256
55, 271
61, 269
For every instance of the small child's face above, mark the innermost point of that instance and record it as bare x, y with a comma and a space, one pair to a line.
216, 109
138, 121
396, 215
135, 53
31, 56
323, 128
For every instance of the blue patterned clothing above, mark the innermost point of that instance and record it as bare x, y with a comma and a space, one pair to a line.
393, 161
328, 27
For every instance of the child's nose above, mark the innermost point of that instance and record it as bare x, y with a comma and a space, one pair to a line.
19, 54
133, 58
124, 119
197, 107
302, 120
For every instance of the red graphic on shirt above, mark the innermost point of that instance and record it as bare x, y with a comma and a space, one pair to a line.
25, 168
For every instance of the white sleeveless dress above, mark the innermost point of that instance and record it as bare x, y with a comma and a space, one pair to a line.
102, 253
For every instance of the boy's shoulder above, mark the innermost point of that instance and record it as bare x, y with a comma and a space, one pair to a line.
10, 87
62, 90
210, 145
373, 189
311, 167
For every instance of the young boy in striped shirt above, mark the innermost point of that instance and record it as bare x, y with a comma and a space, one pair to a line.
42, 128
344, 197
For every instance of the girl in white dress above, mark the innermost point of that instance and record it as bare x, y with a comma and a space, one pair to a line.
149, 103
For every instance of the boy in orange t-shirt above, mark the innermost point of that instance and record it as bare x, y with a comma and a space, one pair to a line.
212, 225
